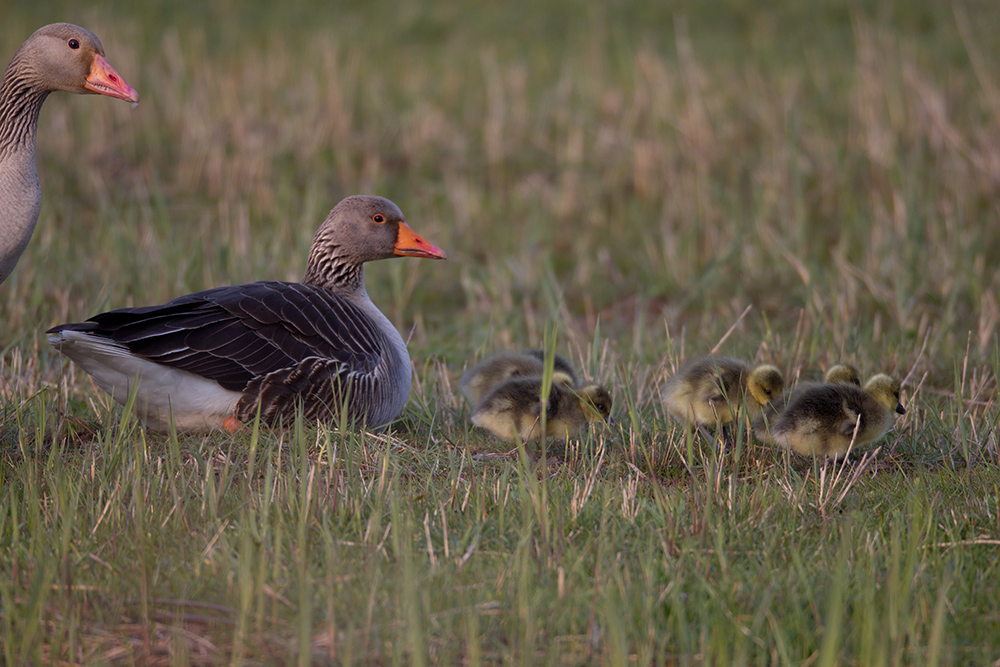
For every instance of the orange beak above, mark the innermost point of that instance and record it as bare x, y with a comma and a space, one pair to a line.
409, 244
104, 80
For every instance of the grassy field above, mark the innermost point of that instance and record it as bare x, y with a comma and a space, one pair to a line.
645, 181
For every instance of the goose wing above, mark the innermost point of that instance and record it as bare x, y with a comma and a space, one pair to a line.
236, 335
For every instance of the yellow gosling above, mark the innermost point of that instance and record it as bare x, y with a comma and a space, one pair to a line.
480, 380
712, 390
842, 374
513, 410
825, 420
836, 374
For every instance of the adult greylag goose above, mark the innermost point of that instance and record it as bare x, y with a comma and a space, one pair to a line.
485, 376
60, 56
210, 359
513, 410
824, 420
710, 391
836, 374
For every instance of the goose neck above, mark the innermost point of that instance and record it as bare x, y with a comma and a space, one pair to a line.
331, 269
20, 104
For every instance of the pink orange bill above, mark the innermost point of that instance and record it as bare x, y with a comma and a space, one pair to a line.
103, 79
410, 244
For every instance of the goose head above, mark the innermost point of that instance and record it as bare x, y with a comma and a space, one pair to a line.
886, 391
63, 56
765, 384
360, 229
842, 374
596, 402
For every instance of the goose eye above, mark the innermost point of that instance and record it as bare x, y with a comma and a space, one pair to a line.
378, 218
73, 43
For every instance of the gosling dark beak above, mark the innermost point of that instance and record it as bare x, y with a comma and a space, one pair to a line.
900, 410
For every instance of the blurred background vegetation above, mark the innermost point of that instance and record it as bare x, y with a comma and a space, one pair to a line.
834, 165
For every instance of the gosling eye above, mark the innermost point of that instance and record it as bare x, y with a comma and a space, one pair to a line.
378, 218
73, 43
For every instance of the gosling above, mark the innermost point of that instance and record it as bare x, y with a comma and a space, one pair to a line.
513, 410
836, 374
481, 379
828, 419
842, 374
710, 391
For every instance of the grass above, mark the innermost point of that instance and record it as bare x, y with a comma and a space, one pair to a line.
806, 185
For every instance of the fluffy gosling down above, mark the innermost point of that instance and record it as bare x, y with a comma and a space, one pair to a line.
710, 391
481, 379
822, 420
842, 374
513, 410
836, 374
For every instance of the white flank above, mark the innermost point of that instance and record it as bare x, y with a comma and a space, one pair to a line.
193, 401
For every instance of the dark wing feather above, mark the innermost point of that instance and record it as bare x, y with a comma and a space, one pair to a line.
317, 384
860, 405
235, 334
825, 402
